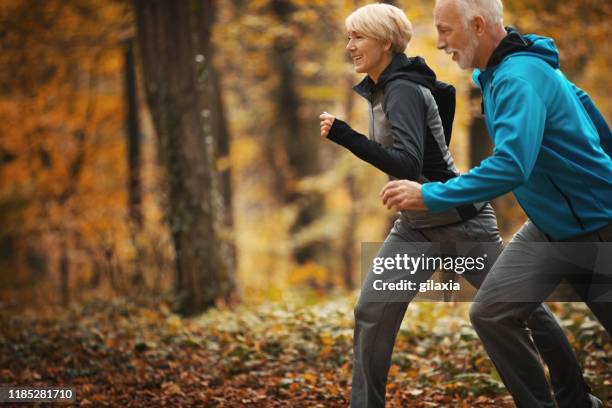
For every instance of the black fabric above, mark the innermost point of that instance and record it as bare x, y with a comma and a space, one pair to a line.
396, 162
415, 151
513, 42
467, 211
435, 167
416, 70
445, 97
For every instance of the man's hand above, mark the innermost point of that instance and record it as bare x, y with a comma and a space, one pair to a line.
327, 120
403, 195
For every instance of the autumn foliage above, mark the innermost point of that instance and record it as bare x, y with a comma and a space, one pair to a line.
290, 210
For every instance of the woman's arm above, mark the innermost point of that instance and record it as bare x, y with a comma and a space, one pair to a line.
405, 110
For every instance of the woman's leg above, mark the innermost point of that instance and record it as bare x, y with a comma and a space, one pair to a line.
377, 322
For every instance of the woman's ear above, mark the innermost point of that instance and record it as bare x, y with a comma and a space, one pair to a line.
387, 45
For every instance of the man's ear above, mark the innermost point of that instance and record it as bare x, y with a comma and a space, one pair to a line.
479, 25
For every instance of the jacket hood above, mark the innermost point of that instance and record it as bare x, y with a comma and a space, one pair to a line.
516, 43
544, 48
412, 68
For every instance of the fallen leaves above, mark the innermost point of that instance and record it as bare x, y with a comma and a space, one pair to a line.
272, 355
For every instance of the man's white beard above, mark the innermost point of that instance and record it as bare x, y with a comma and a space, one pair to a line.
466, 56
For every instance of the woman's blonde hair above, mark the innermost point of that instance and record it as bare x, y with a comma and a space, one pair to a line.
382, 22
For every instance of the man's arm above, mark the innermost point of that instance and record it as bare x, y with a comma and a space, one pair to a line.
405, 109
518, 127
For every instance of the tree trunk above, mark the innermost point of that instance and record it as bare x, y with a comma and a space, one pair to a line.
174, 41
133, 139
210, 86
133, 144
64, 273
348, 235
292, 152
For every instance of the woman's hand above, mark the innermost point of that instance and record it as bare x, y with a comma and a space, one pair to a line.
327, 120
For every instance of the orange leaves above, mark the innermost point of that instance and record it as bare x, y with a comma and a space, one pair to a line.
171, 388
309, 378
62, 122
393, 370
307, 273
261, 356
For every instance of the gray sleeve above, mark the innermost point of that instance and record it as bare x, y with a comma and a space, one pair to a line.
404, 159
404, 106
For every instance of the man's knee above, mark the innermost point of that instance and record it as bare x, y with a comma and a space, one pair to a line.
490, 314
478, 314
482, 314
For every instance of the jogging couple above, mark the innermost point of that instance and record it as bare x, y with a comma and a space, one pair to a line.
552, 150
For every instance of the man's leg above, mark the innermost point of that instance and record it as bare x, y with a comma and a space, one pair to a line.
569, 387
586, 284
568, 384
509, 302
592, 278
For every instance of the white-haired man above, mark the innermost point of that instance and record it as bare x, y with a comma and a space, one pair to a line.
552, 149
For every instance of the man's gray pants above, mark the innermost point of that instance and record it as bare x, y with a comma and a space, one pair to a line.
377, 323
526, 273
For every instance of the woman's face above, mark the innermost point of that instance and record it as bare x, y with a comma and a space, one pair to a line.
369, 55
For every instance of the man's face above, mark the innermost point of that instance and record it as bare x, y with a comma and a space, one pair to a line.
453, 35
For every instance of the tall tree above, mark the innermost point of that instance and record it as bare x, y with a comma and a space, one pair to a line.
348, 235
174, 39
221, 157
293, 153
134, 159
133, 138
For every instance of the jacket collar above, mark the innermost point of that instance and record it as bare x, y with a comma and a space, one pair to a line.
367, 86
401, 66
513, 42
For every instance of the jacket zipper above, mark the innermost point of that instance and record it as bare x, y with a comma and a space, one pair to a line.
569, 203
373, 122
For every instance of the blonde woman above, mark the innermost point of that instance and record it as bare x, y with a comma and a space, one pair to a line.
408, 140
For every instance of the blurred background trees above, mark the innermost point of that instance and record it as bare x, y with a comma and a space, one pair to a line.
174, 39
172, 148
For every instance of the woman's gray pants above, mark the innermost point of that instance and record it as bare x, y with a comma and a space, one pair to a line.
377, 323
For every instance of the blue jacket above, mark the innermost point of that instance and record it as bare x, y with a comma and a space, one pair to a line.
550, 143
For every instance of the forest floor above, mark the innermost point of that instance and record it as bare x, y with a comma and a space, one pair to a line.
120, 354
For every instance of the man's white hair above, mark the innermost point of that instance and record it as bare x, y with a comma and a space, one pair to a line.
491, 10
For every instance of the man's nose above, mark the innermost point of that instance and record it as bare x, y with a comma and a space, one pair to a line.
441, 44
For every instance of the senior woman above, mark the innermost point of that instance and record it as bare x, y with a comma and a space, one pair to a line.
407, 141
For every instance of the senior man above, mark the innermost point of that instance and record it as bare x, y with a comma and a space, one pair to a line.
552, 149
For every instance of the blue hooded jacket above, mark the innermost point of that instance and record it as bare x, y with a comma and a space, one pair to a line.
552, 145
